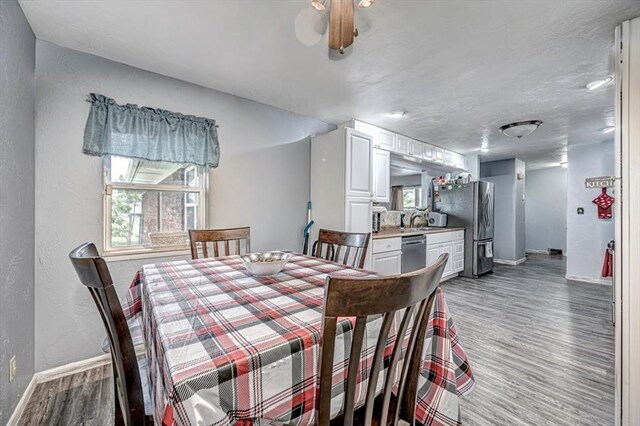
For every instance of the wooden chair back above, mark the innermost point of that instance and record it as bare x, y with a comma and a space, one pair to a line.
201, 238
330, 245
365, 297
94, 274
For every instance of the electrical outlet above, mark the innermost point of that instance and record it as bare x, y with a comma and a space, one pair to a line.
13, 368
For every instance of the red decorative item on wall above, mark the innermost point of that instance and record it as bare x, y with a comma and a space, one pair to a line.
604, 202
607, 266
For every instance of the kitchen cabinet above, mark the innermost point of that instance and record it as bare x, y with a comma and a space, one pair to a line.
416, 148
386, 140
387, 264
403, 145
453, 159
451, 242
381, 176
359, 164
380, 138
342, 182
438, 155
387, 256
427, 152
358, 212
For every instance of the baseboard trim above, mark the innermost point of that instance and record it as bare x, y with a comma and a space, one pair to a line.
22, 404
73, 367
532, 251
52, 374
448, 277
510, 262
588, 280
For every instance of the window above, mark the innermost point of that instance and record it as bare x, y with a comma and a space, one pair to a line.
412, 197
149, 206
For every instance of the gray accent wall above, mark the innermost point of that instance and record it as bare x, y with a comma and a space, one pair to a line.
17, 143
546, 209
509, 207
587, 236
262, 181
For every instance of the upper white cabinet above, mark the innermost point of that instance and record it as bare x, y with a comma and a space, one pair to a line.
380, 138
386, 140
438, 155
359, 182
416, 149
403, 145
399, 144
381, 175
427, 152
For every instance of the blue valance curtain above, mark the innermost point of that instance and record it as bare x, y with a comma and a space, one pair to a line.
149, 134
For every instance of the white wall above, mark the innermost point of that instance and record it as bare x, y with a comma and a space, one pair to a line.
587, 236
17, 174
546, 209
262, 181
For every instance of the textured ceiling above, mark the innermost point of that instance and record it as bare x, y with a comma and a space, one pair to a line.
460, 68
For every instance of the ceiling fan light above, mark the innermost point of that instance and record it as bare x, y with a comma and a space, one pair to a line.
320, 5
365, 3
520, 129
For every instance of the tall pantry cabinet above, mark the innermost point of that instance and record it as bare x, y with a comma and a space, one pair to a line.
342, 182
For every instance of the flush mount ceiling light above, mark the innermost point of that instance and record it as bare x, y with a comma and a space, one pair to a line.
342, 22
520, 129
608, 129
599, 83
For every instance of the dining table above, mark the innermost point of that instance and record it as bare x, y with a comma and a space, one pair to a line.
224, 347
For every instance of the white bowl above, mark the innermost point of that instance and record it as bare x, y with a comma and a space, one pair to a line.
265, 264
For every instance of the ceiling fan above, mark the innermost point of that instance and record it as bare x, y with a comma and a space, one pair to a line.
342, 26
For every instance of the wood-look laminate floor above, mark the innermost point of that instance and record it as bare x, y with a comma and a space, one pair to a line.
541, 349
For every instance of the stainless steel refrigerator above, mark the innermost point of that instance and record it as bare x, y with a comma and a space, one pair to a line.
470, 205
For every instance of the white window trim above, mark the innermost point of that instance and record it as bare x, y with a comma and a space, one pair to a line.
141, 252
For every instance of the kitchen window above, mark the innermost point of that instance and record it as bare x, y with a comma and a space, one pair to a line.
412, 197
150, 206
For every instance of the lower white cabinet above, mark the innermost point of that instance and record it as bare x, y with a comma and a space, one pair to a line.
387, 263
386, 258
447, 242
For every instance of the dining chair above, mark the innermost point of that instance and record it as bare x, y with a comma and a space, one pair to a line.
364, 298
332, 243
130, 375
202, 237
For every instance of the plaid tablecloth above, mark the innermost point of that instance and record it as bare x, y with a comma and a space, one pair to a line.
224, 346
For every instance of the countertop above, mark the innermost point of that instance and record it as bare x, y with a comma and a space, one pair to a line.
397, 232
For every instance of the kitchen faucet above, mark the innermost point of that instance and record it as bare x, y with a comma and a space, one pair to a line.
413, 216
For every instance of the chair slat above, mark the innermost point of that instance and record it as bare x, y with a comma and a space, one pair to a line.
393, 365
352, 370
346, 256
376, 365
326, 369
407, 364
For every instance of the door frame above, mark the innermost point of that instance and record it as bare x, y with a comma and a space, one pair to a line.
627, 226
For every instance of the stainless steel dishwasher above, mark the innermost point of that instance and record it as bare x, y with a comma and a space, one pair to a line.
414, 253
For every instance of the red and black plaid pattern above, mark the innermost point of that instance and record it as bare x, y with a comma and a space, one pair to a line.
225, 346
